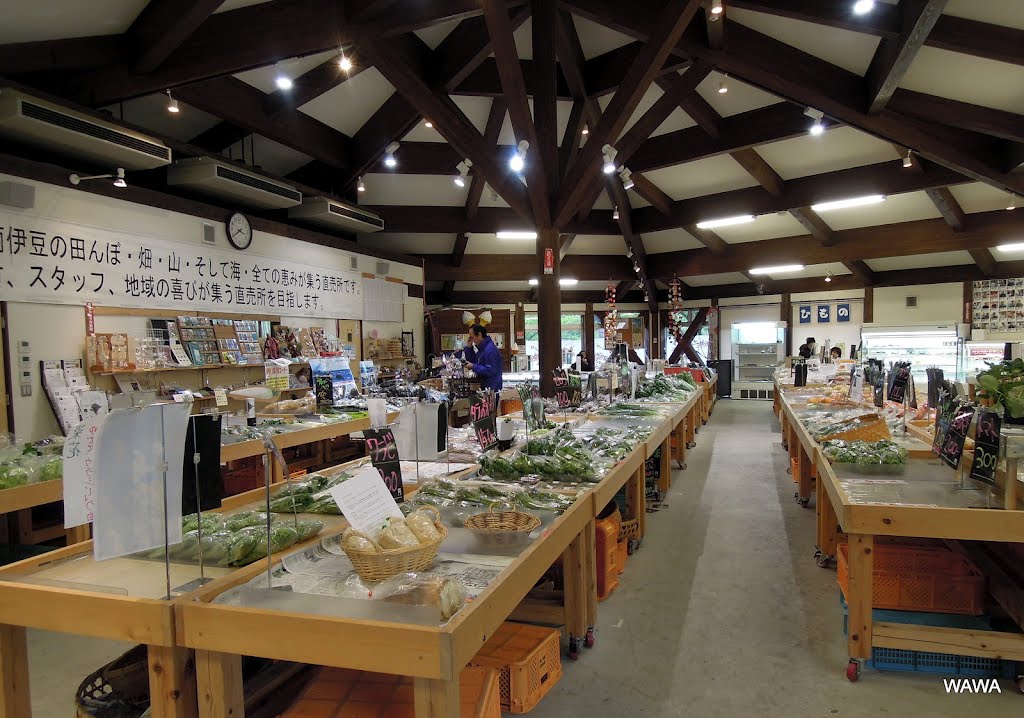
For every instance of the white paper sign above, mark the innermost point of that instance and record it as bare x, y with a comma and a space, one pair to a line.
80, 472
366, 502
57, 262
221, 395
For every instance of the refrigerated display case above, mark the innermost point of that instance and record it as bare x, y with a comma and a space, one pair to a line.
978, 355
757, 349
924, 346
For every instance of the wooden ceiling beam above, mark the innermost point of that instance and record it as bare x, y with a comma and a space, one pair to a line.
162, 26
860, 269
462, 52
605, 72
708, 238
948, 207
634, 242
520, 267
570, 146
894, 55
488, 220
814, 224
714, 26
484, 81
652, 193
670, 22
760, 170
72, 54
985, 261
701, 111
545, 105
985, 120
565, 242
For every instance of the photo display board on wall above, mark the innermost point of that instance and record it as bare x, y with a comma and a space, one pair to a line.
999, 305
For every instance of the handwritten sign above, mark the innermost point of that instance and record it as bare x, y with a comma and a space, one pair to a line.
898, 383
561, 383
953, 445
277, 375
943, 418
986, 447
323, 386
366, 502
483, 414
575, 388
80, 472
384, 457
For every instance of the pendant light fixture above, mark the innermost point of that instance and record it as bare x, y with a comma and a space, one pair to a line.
172, 104
463, 167
360, 187
389, 155
609, 153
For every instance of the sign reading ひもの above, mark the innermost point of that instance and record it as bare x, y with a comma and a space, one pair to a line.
43, 260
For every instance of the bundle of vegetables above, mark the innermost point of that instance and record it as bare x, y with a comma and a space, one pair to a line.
630, 411
444, 494
310, 495
663, 388
1002, 385
565, 464
18, 468
613, 444
864, 452
13, 473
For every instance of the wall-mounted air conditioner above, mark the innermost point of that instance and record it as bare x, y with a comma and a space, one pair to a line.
48, 125
223, 180
331, 213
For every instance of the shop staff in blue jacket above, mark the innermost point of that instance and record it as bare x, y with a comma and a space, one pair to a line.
483, 357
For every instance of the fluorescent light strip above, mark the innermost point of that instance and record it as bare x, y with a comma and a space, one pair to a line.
777, 270
1014, 247
564, 281
516, 235
726, 221
851, 202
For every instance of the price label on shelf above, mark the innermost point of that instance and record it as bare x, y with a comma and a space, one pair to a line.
384, 456
277, 376
953, 444
986, 447
483, 413
221, 396
561, 383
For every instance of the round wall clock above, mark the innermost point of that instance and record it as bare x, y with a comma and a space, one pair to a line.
239, 231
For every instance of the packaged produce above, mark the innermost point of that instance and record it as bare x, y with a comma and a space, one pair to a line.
241, 547
281, 537
421, 523
864, 452
396, 534
214, 546
243, 519
309, 528
444, 594
51, 468
189, 543
354, 540
210, 522
305, 405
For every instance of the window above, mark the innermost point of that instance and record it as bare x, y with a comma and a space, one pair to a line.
572, 338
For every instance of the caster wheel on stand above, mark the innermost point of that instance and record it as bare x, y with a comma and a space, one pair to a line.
631, 546
805, 502
853, 671
589, 640
574, 648
682, 467
825, 561
1020, 684
691, 444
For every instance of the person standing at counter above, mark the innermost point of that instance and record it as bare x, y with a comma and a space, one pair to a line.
483, 357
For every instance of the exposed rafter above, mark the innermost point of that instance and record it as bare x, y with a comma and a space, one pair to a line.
860, 269
760, 170
162, 26
893, 55
948, 207
814, 224
634, 242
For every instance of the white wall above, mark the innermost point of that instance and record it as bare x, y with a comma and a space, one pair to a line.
834, 332
742, 313
57, 331
938, 303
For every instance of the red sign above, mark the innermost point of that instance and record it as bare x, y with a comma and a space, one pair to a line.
549, 261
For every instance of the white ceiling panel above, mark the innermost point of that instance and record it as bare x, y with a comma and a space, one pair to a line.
410, 243
920, 261
979, 197
476, 110
707, 176
592, 285
349, 105
265, 78
524, 40
273, 157
415, 190
837, 149
710, 280
422, 133
433, 36
236, 4
652, 95
740, 97
967, 78
678, 120
490, 244
1014, 256
562, 111
490, 198
766, 226
151, 112
669, 240
997, 12
814, 270
597, 39
56, 19
849, 50
598, 244
896, 208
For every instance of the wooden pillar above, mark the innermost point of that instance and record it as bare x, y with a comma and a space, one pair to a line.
519, 326
869, 305
713, 333
14, 687
786, 315
549, 309
588, 332
968, 302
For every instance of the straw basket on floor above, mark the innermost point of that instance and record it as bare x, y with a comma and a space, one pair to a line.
502, 528
376, 564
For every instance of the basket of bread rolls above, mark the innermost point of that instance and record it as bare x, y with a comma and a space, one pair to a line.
403, 545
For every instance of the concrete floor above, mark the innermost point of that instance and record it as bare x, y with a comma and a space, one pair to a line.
722, 612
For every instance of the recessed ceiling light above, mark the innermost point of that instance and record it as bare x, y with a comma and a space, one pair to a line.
716, 7
516, 234
862, 7
828, 277
726, 221
344, 62
722, 87
172, 104
568, 282
427, 123
1014, 247
852, 202
777, 270
585, 131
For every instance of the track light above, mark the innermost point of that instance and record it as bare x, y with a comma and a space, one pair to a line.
117, 175
862, 7
636, 268
585, 131
1013, 203
646, 298
283, 81
344, 62
907, 161
463, 167
172, 104
722, 87
360, 187
818, 127
517, 162
427, 123
828, 277
389, 155
615, 214
609, 153
627, 178
629, 252
716, 8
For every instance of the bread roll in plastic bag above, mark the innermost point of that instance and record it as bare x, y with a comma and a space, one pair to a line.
396, 534
421, 523
444, 594
351, 539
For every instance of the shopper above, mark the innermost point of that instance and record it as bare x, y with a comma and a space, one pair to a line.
483, 357
585, 363
836, 353
804, 351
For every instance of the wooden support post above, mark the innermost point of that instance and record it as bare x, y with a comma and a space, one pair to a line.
78, 534
637, 497
786, 315
828, 522
549, 309
519, 328
14, 686
806, 467
858, 595
436, 698
1010, 485
588, 333
219, 685
590, 572
575, 579
869, 305
690, 430
665, 475
172, 682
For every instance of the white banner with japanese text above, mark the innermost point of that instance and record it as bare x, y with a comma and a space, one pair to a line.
43, 260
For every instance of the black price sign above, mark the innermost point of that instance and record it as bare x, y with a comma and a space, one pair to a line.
953, 445
986, 447
943, 418
561, 381
323, 387
575, 389
384, 457
483, 414
898, 386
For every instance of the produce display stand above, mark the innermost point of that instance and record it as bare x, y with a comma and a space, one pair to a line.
21, 499
326, 632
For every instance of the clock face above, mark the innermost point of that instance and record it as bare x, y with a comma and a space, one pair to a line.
239, 231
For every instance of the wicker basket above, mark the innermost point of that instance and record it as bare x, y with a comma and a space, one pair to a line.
502, 528
377, 564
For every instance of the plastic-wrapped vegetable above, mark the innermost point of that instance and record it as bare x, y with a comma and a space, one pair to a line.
396, 534
244, 519
281, 537
241, 547
308, 529
189, 542
14, 474
51, 468
215, 546
421, 523
444, 594
211, 522
354, 540
291, 503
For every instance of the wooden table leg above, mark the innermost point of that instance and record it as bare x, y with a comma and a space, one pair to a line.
172, 682
858, 595
219, 685
574, 576
828, 522
78, 534
590, 577
436, 698
637, 497
804, 467
15, 699
665, 477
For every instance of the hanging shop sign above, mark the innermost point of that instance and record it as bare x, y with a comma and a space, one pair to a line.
824, 312
43, 260
842, 312
549, 261
805, 315
384, 456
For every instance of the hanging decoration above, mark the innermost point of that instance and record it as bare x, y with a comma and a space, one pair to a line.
611, 317
675, 308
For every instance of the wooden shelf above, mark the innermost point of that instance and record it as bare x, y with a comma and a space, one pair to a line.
193, 367
29, 495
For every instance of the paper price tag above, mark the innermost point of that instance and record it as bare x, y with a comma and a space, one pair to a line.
366, 502
986, 447
221, 396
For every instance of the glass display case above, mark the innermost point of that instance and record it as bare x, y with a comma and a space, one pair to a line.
757, 348
976, 356
924, 346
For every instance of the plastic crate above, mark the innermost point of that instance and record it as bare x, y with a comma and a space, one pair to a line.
606, 530
341, 693
916, 578
630, 530
529, 663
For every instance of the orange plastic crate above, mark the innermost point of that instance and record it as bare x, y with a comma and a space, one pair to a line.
341, 693
529, 662
607, 563
919, 578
